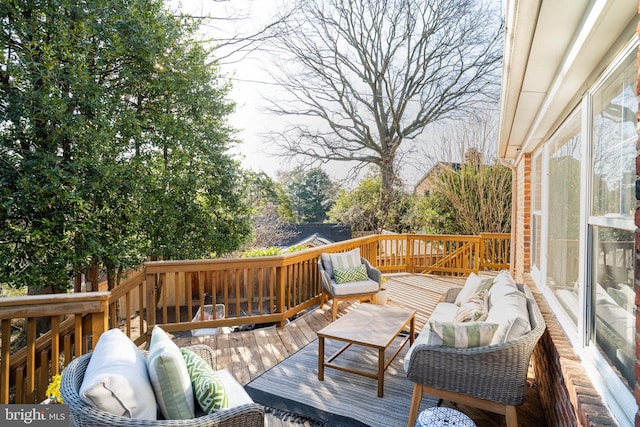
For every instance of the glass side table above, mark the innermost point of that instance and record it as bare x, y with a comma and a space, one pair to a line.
443, 417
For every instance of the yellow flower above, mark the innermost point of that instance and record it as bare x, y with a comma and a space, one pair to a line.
53, 390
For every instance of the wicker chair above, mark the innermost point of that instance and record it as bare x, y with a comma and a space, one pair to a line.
344, 291
83, 414
492, 378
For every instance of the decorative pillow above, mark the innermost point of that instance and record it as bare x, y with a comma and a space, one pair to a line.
461, 335
355, 274
474, 309
511, 313
345, 260
207, 386
472, 286
169, 377
116, 378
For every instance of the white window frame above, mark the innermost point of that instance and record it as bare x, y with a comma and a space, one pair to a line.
621, 402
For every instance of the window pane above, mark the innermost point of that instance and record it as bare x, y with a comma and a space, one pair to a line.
615, 106
614, 299
536, 215
564, 215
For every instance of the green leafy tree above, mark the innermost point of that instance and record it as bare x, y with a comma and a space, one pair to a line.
361, 208
271, 209
265, 196
113, 142
312, 193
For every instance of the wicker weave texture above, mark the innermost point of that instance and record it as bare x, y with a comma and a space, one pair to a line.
84, 414
497, 372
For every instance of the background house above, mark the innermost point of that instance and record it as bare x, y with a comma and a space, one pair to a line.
568, 126
424, 187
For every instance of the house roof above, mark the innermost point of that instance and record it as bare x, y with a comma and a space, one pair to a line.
553, 51
435, 170
317, 233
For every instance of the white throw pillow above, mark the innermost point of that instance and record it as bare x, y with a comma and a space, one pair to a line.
169, 377
472, 286
510, 312
345, 260
474, 309
116, 379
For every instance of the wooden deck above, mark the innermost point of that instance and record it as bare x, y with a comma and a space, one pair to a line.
248, 354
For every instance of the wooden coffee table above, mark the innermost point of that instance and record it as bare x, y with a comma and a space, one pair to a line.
368, 325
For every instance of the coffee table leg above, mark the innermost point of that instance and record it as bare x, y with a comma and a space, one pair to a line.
380, 372
321, 358
412, 330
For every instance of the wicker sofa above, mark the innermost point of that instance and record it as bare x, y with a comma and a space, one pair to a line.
83, 414
491, 377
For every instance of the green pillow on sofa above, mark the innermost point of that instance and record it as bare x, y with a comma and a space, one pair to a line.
169, 377
208, 388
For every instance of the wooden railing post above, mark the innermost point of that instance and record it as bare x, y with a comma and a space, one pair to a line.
100, 321
280, 293
150, 280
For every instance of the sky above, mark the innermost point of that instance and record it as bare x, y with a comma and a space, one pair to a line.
251, 85
250, 82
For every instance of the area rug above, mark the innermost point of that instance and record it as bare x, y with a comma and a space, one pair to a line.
342, 399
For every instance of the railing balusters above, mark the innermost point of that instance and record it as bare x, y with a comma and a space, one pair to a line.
287, 283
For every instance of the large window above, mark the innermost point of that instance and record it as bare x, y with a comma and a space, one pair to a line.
612, 255
563, 241
536, 212
614, 300
582, 229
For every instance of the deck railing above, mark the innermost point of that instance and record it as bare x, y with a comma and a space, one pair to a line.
53, 329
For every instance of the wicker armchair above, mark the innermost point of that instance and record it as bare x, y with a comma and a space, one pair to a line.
83, 414
492, 378
347, 291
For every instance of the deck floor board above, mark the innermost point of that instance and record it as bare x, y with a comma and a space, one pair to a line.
250, 353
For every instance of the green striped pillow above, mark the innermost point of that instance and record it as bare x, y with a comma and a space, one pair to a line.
345, 260
208, 388
354, 274
461, 335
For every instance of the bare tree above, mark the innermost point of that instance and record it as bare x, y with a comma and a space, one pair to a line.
364, 76
451, 140
228, 26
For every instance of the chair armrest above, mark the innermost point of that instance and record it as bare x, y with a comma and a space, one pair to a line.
325, 279
373, 273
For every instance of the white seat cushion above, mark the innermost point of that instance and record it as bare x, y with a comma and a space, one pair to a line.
350, 288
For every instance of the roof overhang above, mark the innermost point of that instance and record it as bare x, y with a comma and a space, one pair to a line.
553, 51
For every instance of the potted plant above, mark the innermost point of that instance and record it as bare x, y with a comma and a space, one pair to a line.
382, 296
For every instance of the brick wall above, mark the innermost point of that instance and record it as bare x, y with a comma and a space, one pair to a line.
567, 396
522, 199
